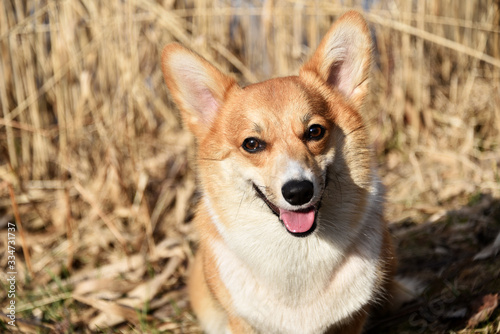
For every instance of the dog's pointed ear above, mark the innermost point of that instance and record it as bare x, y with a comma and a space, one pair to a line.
343, 58
198, 88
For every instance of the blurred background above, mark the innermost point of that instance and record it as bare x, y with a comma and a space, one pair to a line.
98, 174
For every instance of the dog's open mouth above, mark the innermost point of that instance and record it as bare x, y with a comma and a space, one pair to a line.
300, 223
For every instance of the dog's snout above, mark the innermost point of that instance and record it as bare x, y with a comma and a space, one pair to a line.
298, 192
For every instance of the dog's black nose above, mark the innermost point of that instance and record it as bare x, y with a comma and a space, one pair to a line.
298, 192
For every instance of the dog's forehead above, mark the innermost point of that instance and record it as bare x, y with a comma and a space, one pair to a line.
273, 108
280, 97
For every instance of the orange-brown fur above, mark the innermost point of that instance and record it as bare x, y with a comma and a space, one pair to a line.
251, 275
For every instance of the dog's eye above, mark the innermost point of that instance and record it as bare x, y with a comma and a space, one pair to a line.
253, 145
315, 132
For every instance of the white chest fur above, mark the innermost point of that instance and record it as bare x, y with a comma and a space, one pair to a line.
302, 289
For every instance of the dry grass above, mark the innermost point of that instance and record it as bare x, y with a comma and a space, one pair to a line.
99, 167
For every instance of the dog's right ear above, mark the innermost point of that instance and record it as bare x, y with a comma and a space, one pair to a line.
344, 56
198, 88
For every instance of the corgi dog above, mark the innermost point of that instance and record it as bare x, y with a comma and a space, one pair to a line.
292, 234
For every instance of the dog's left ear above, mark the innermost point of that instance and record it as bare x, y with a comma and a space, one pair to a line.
343, 58
198, 88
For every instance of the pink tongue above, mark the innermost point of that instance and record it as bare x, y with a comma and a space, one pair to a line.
297, 222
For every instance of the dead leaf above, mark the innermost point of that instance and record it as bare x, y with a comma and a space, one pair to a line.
490, 250
117, 311
28, 326
112, 312
488, 304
